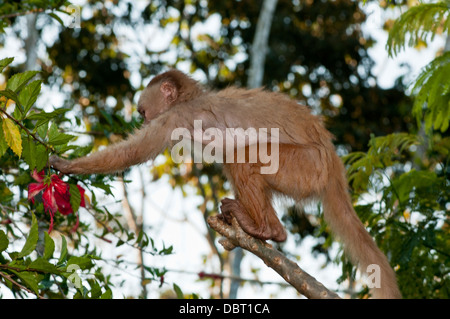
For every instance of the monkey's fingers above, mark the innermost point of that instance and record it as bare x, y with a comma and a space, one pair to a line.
268, 230
226, 210
232, 207
59, 164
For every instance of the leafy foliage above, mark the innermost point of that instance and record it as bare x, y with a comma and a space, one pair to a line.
418, 23
432, 87
401, 184
29, 135
383, 152
432, 91
406, 209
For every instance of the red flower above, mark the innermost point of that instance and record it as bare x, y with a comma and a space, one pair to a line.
62, 195
56, 195
82, 191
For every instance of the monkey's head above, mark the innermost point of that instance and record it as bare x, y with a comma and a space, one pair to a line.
164, 91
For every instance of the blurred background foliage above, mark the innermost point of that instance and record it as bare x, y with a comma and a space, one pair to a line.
318, 54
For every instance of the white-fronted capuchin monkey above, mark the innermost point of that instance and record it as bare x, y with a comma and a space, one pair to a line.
308, 166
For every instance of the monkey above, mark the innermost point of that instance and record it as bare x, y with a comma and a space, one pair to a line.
309, 167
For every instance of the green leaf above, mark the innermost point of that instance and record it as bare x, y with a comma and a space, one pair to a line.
432, 91
30, 279
6, 196
408, 182
42, 130
178, 291
57, 138
49, 246
3, 145
5, 62
96, 290
412, 241
63, 255
29, 152
120, 242
32, 239
47, 116
4, 242
54, 16
75, 197
42, 265
41, 157
106, 188
12, 136
44, 117
83, 262
29, 94
19, 80
107, 294
139, 238
12, 96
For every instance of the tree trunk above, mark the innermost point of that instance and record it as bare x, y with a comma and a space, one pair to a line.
260, 44
31, 42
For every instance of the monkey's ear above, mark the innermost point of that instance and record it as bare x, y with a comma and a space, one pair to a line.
169, 91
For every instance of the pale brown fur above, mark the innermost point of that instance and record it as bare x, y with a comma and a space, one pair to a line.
308, 164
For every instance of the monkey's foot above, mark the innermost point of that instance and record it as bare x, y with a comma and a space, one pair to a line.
263, 231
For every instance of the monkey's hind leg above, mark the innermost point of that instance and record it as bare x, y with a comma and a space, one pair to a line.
252, 207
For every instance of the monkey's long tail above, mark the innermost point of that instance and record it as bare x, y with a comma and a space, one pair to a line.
358, 244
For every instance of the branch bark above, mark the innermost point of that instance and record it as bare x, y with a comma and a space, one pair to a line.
287, 269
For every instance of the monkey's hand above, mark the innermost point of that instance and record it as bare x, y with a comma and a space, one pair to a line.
60, 164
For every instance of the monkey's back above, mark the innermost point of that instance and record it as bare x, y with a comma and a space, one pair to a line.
241, 108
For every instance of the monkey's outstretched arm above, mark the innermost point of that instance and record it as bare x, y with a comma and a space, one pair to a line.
143, 145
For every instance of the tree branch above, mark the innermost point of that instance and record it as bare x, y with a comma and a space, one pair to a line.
22, 13
9, 278
290, 271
